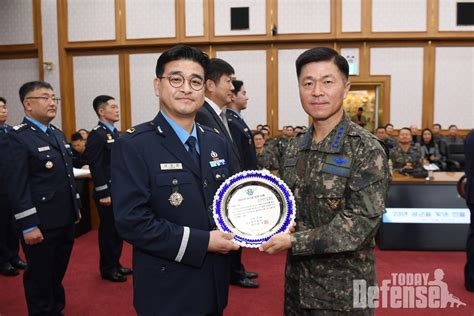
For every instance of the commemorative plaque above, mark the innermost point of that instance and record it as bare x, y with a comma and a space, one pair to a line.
253, 205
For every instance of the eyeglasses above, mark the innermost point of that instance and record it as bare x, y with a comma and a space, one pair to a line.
47, 99
177, 81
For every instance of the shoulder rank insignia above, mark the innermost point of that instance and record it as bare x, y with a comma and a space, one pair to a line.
131, 130
96, 128
333, 203
17, 127
216, 130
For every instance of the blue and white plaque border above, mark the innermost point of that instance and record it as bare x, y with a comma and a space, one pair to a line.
254, 205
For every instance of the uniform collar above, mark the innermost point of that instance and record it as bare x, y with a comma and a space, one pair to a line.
109, 127
182, 134
234, 111
333, 142
41, 126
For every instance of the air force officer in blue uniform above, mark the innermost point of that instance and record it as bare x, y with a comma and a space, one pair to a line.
44, 199
165, 173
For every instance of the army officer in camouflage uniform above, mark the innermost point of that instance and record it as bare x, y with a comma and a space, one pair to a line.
338, 173
405, 155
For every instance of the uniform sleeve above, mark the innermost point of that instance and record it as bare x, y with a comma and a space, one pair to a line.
354, 227
95, 155
19, 192
137, 223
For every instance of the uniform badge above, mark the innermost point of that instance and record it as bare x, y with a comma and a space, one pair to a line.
49, 165
176, 199
45, 148
214, 155
109, 136
333, 203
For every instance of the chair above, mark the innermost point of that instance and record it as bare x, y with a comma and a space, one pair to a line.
455, 157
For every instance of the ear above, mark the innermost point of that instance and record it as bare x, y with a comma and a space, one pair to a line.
347, 87
27, 105
210, 85
156, 86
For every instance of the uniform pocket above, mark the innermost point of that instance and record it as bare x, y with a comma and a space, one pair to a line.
173, 178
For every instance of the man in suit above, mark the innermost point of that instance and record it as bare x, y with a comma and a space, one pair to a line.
44, 199
165, 174
469, 268
10, 261
239, 130
98, 150
213, 114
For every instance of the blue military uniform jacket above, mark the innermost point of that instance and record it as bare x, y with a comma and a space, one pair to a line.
242, 136
173, 272
42, 188
4, 173
98, 150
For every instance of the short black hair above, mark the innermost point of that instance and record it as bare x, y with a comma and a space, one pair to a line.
3, 100
179, 52
322, 54
258, 133
219, 68
380, 127
76, 136
360, 109
32, 86
406, 128
100, 100
452, 125
387, 125
437, 124
83, 129
237, 86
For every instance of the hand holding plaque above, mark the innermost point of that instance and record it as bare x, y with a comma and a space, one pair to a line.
253, 205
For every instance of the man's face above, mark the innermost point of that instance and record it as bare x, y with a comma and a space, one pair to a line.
288, 132
221, 91
436, 129
266, 134
453, 131
182, 102
241, 99
84, 134
322, 90
3, 112
110, 111
297, 131
259, 141
39, 105
404, 137
380, 133
414, 129
79, 146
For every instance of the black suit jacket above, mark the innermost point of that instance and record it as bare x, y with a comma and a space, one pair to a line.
208, 117
173, 274
243, 139
42, 189
469, 150
98, 150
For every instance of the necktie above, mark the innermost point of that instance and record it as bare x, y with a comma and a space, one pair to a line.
116, 132
191, 142
49, 131
224, 121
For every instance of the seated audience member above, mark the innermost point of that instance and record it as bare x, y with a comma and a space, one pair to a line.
430, 149
259, 127
388, 142
298, 130
405, 156
283, 140
84, 133
436, 132
416, 139
266, 158
359, 118
453, 137
78, 145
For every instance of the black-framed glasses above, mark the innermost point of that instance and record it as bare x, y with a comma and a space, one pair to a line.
47, 99
177, 81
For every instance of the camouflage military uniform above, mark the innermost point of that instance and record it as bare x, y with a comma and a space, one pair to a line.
400, 158
340, 185
267, 160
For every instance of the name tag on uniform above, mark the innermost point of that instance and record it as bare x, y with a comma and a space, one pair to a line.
290, 162
45, 148
338, 165
110, 140
217, 163
171, 166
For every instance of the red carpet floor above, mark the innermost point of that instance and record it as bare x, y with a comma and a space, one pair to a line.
87, 294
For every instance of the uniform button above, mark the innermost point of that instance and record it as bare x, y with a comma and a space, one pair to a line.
69, 175
204, 183
48, 156
163, 269
71, 185
223, 175
218, 176
43, 198
175, 181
